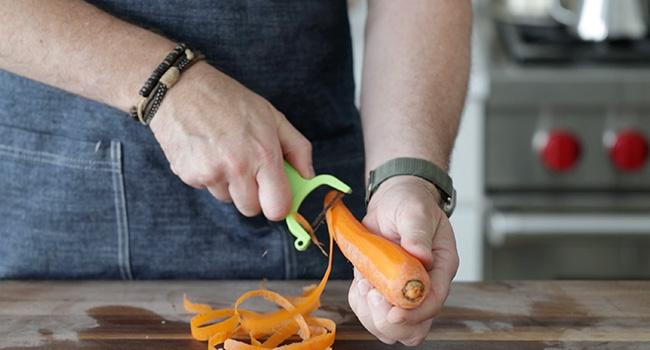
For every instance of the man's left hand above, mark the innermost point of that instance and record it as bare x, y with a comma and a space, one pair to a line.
405, 210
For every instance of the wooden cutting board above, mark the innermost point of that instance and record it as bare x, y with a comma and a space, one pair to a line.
487, 315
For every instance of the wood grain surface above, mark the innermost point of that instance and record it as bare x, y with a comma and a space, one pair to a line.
487, 315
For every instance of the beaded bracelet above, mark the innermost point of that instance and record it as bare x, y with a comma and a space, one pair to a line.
162, 79
162, 68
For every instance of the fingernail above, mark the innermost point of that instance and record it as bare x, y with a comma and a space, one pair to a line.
312, 172
363, 286
374, 297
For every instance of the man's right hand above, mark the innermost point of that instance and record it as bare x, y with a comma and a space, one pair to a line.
216, 133
219, 135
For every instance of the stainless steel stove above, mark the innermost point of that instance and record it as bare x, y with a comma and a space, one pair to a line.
567, 174
554, 45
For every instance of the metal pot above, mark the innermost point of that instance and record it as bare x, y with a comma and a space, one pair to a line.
589, 20
598, 20
525, 12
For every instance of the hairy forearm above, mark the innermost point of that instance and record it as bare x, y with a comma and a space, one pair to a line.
76, 47
415, 75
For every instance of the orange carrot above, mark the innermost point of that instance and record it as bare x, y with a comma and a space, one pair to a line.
398, 275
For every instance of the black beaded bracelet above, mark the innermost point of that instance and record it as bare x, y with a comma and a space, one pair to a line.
173, 56
163, 78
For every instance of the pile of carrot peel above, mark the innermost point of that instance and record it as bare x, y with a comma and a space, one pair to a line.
266, 330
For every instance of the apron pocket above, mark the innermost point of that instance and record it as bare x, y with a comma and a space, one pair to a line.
62, 209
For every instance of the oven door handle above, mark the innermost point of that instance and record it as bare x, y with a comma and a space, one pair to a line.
502, 224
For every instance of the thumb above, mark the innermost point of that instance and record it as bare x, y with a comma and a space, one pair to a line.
296, 149
416, 237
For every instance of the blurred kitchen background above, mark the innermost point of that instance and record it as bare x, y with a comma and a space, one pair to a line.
550, 163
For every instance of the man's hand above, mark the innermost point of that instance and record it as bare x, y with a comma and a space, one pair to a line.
216, 133
219, 135
405, 210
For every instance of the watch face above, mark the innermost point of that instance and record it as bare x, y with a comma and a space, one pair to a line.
450, 204
369, 187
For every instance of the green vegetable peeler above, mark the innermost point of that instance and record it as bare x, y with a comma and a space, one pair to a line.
300, 188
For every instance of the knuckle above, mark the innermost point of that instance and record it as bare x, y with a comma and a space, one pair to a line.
418, 210
207, 176
234, 164
304, 145
266, 155
386, 340
274, 211
174, 169
384, 327
414, 340
455, 261
415, 335
437, 308
245, 199
220, 194
417, 234
190, 179
352, 299
198, 171
247, 208
247, 212
271, 109
223, 198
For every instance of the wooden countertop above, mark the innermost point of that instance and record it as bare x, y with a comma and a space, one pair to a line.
485, 315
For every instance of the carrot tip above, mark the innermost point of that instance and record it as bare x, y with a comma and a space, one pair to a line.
413, 291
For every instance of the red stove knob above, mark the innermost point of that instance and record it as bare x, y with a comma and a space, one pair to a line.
559, 150
629, 150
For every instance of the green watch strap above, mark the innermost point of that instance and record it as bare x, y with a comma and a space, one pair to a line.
415, 167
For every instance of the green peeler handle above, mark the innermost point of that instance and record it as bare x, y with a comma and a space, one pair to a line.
300, 188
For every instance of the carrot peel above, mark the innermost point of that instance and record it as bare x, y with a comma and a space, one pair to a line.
293, 317
307, 227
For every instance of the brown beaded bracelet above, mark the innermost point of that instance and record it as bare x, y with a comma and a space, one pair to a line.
162, 79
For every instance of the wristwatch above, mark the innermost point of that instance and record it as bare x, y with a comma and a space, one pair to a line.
415, 167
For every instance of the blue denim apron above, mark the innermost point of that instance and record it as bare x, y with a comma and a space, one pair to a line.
87, 193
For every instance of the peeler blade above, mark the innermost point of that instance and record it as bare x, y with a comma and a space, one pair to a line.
320, 219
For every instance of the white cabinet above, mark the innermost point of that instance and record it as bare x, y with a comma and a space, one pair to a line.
466, 170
